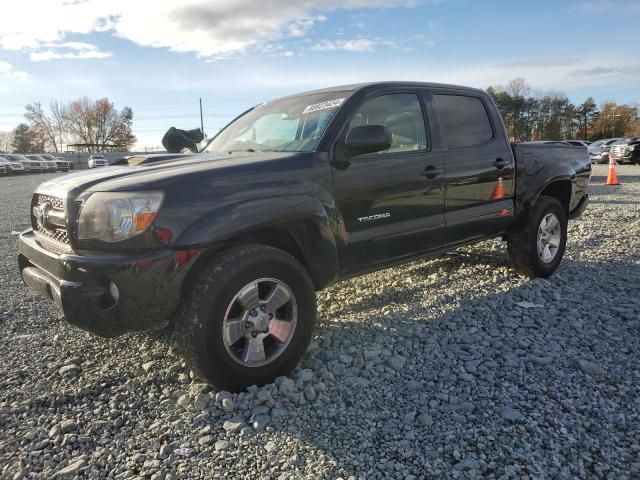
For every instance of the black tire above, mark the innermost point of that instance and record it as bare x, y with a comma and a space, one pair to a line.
200, 323
522, 240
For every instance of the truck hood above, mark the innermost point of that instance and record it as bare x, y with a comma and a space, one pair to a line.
118, 177
134, 160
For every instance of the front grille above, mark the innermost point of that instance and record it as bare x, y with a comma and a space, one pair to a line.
617, 150
56, 203
57, 234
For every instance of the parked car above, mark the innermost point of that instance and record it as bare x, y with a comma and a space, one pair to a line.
97, 161
626, 150
69, 162
4, 170
47, 166
292, 196
13, 168
579, 143
62, 165
549, 142
599, 151
29, 165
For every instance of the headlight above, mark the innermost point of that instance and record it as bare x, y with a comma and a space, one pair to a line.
117, 216
631, 147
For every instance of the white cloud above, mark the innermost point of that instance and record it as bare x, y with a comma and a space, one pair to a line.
356, 45
7, 72
68, 51
616, 6
208, 28
481, 73
52, 55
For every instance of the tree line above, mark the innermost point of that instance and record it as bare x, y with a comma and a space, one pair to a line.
532, 115
97, 124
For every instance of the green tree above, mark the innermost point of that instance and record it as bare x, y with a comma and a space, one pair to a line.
588, 110
22, 141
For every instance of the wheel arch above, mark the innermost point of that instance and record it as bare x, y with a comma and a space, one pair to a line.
299, 226
560, 189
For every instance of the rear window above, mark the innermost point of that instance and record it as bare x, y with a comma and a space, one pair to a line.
463, 120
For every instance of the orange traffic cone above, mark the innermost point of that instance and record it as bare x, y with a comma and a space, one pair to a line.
612, 178
498, 190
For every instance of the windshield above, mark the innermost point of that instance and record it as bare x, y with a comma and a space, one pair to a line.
18, 157
291, 124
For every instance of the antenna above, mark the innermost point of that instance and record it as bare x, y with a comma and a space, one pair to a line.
201, 119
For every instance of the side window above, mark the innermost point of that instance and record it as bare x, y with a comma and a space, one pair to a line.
463, 120
401, 114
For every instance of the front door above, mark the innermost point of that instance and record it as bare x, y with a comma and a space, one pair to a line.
390, 203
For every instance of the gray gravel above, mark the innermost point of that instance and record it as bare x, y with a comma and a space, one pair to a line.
430, 370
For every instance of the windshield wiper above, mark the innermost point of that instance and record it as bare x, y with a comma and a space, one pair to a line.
252, 150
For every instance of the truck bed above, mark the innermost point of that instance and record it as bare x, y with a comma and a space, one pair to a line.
540, 163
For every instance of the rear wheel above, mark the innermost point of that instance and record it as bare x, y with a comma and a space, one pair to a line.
248, 318
537, 244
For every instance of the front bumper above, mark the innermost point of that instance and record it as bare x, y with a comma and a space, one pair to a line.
580, 208
106, 294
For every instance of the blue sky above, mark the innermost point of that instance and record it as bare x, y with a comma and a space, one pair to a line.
160, 56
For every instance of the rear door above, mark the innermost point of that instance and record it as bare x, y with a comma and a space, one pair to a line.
390, 203
478, 164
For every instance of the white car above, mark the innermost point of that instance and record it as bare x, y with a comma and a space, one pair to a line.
61, 164
599, 151
13, 168
98, 161
29, 165
70, 162
47, 165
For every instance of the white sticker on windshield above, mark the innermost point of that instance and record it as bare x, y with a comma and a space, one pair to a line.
323, 106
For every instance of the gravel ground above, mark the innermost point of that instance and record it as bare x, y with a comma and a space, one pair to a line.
430, 370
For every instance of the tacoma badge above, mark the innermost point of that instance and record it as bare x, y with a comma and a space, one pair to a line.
377, 216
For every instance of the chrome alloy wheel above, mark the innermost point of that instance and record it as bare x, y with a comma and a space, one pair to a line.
260, 322
549, 237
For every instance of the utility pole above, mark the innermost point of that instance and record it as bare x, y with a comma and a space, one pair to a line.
201, 119
613, 127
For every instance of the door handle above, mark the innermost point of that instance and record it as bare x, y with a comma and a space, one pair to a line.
430, 172
500, 163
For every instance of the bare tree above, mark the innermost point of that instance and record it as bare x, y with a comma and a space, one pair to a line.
58, 121
6, 138
99, 123
518, 87
42, 126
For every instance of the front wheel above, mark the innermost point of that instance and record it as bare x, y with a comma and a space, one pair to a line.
537, 244
248, 318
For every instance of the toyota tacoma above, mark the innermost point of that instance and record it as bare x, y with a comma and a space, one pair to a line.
230, 244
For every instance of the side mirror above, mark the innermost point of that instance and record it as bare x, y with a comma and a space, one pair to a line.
367, 139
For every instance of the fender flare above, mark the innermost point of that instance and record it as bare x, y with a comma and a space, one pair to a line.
303, 218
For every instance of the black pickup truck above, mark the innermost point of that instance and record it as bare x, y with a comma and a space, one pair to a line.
231, 244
